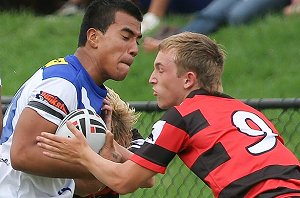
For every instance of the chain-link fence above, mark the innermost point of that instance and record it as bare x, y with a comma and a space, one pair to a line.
178, 180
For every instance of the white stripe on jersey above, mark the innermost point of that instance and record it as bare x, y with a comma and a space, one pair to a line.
16, 184
53, 91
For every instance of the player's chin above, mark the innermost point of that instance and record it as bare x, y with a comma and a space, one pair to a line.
124, 66
162, 104
120, 76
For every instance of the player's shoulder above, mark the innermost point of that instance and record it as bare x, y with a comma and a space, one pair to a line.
172, 115
67, 68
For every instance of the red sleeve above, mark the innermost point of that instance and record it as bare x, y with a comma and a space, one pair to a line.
147, 164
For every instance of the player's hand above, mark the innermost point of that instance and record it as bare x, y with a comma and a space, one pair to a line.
71, 150
108, 151
107, 113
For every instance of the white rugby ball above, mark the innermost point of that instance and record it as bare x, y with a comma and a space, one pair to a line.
89, 123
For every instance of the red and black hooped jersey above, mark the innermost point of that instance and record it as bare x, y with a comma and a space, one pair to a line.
231, 146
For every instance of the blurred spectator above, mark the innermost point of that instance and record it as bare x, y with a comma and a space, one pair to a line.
292, 8
217, 14
72, 7
38, 7
156, 9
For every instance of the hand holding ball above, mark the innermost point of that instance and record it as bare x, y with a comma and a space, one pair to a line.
89, 123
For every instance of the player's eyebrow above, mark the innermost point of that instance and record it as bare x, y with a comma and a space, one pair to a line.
130, 31
158, 66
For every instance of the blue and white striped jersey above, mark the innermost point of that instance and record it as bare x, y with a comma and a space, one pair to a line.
59, 87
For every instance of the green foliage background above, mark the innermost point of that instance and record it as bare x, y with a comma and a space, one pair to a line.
262, 57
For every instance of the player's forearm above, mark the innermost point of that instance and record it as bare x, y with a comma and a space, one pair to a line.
109, 173
148, 183
125, 153
85, 187
32, 161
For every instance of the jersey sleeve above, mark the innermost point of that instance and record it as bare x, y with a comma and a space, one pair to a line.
137, 140
53, 99
168, 137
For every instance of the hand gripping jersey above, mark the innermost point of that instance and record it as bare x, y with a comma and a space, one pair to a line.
229, 145
53, 91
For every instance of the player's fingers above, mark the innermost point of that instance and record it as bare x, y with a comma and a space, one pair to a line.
107, 108
50, 136
48, 147
107, 113
108, 144
57, 156
106, 104
106, 100
108, 121
109, 139
51, 145
75, 131
108, 149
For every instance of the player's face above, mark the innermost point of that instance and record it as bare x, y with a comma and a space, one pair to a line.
119, 46
168, 87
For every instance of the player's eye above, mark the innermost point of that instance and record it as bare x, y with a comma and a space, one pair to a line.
125, 38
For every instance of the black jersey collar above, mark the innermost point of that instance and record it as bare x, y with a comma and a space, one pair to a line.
204, 92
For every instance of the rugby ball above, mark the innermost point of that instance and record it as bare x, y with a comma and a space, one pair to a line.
89, 123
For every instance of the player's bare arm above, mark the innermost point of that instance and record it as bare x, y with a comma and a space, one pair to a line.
76, 150
111, 151
84, 187
27, 156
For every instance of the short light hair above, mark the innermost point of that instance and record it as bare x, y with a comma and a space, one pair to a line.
197, 53
123, 119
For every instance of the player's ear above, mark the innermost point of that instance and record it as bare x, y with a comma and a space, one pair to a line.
190, 80
93, 37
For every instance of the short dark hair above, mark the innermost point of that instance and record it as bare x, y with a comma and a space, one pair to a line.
100, 14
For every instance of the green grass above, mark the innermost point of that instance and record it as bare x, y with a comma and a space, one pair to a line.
27, 42
262, 57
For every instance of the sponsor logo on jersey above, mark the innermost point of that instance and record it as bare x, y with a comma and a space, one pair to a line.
5, 161
60, 61
64, 190
156, 130
53, 100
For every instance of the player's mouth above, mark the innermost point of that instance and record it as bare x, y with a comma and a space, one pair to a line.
154, 93
128, 62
